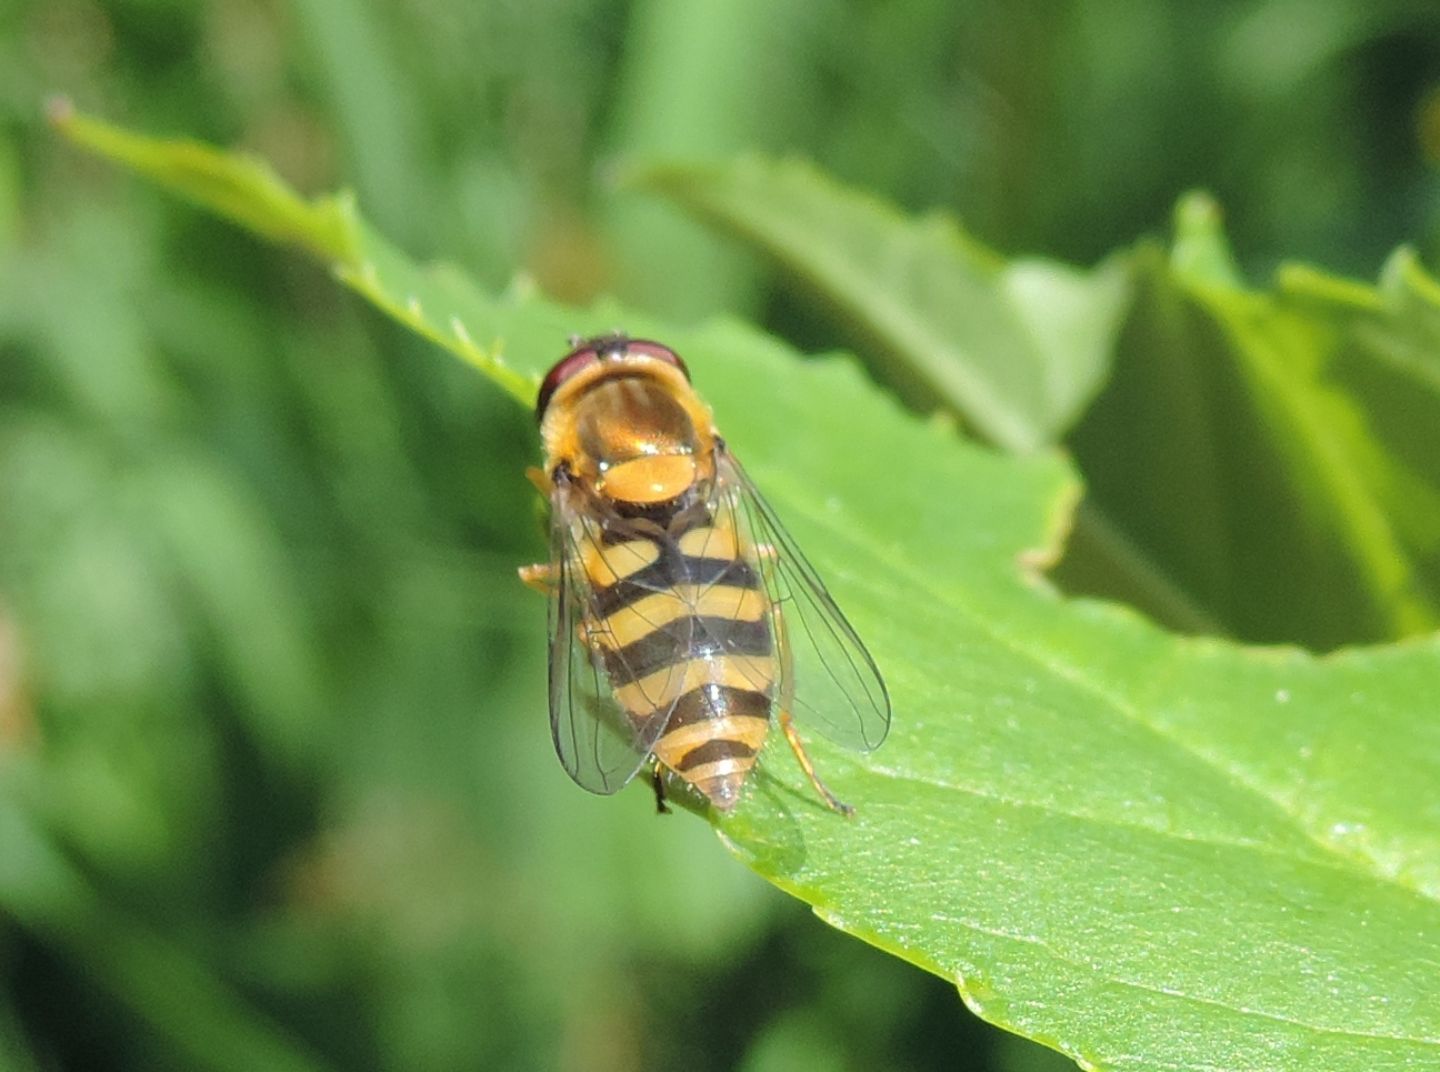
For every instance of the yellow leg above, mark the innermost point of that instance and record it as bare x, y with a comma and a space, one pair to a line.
832, 802
787, 696
540, 577
769, 555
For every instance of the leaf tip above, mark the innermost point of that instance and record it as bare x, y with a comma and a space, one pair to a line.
1198, 208
1401, 261
1201, 250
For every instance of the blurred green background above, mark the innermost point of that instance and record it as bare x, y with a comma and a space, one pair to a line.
276, 787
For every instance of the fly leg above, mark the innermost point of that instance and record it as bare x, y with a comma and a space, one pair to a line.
657, 782
543, 575
540, 577
832, 802
787, 700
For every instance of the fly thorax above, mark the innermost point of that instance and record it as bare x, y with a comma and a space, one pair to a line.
639, 439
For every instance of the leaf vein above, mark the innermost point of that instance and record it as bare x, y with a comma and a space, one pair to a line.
1170, 992
1323, 861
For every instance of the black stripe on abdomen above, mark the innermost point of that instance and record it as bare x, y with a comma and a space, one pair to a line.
668, 571
715, 749
714, 701
685, 640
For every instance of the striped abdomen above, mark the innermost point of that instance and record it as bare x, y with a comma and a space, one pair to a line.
684, 632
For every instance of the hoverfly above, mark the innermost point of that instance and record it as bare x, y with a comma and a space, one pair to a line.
682, 615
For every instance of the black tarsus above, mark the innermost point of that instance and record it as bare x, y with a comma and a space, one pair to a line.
657, 780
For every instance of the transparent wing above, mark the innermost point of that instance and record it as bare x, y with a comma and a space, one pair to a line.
599, 744
826, 677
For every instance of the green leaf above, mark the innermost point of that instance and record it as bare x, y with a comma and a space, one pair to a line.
1267, 451
1383, 350
1016, 348
1147, 851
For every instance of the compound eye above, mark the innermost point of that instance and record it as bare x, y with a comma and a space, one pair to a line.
656, 350
599, 349
577, 359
